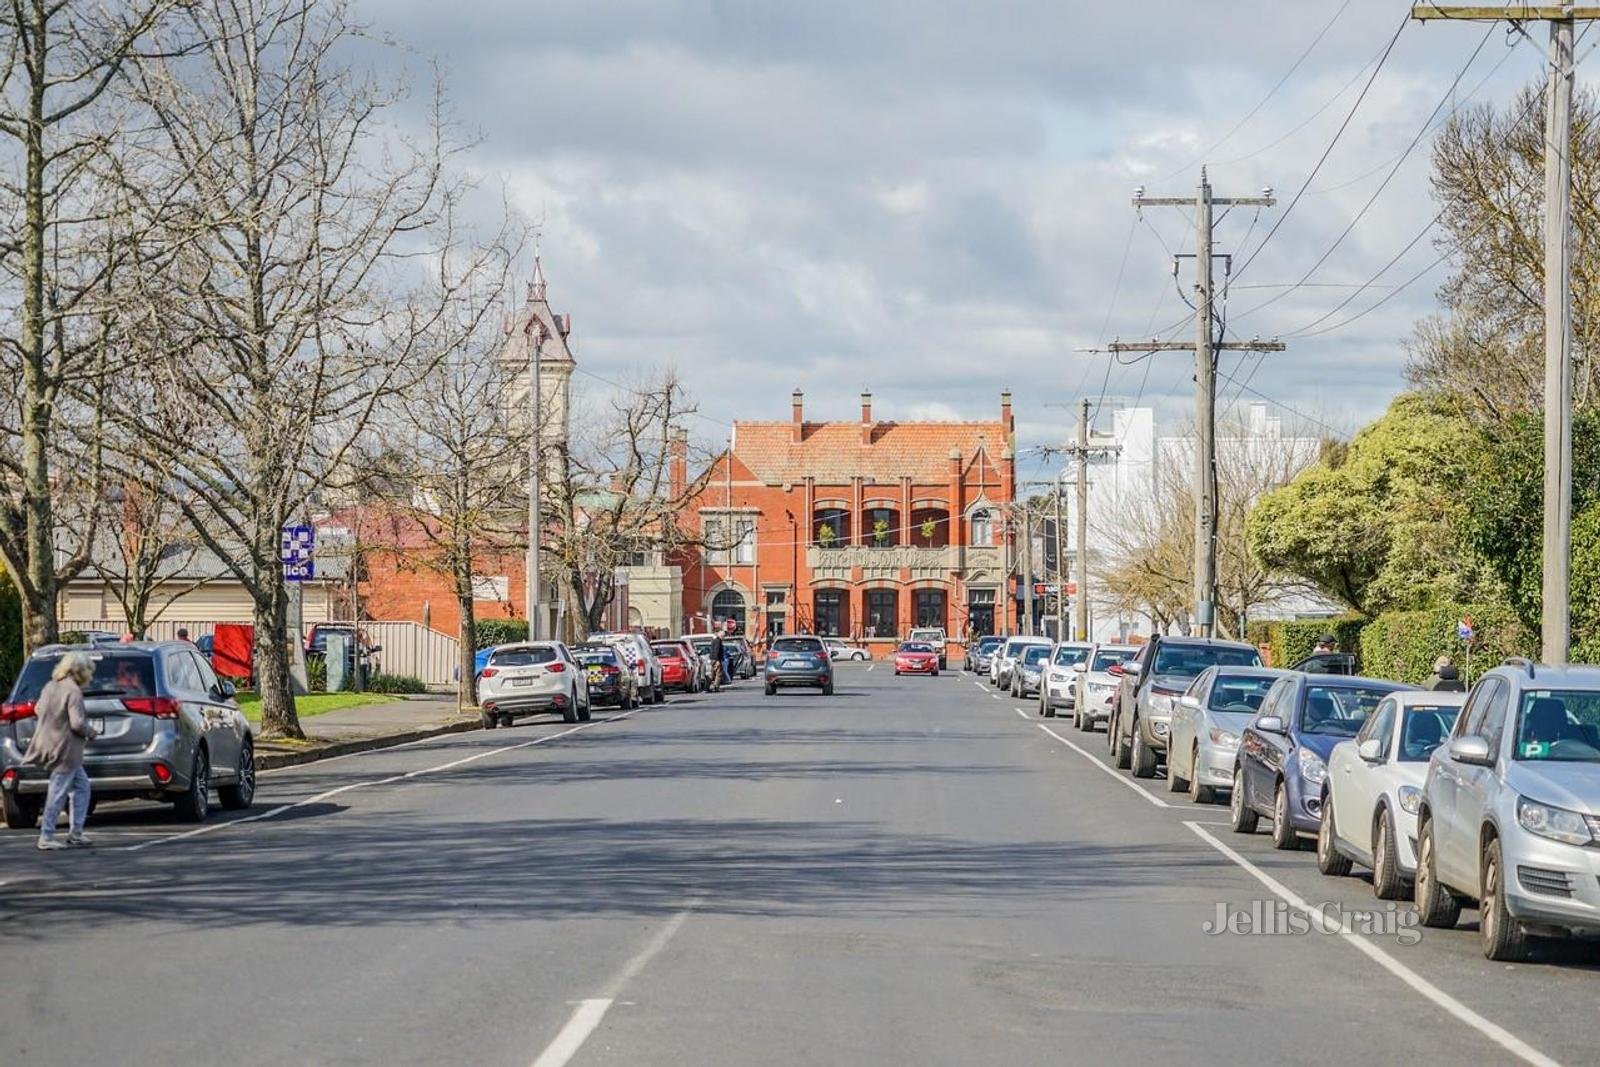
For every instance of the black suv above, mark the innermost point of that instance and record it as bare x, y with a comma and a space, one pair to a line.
1152, 680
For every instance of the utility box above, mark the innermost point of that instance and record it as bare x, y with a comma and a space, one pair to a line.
338, 660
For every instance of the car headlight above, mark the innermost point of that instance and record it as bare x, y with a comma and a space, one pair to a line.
1225, 738
1558, 824
1160, 704
1312, 769
1410, 799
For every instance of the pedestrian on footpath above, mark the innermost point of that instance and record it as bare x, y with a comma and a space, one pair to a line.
57, 743
717, 657
1445, 678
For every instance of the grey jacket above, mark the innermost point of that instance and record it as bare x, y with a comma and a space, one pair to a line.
62, 728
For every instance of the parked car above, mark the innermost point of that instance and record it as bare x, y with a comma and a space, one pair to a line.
1060, 687
1098, 685
839, 649
166, 729
701, 643
1207, 722
1326, 663
743, 657
680, 665
916, 657
1374, 789
636, 652
1283, 754
932, 635
980, 651
610, 680
798, 659
1150, 685
1510, 813
1027, 672
530, 677
1005, 660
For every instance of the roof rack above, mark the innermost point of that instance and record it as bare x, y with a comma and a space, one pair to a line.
1519, 661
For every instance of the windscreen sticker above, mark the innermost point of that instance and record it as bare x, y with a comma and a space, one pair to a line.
1535, 749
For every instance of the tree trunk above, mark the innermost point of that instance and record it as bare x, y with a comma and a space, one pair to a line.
278, 718
469, 655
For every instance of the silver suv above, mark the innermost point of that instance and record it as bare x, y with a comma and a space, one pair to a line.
166, 727
1510, 811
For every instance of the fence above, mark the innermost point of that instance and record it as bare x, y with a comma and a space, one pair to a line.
407, 647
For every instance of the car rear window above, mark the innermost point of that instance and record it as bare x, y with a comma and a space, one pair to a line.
591, 657
797, 644
522, 657
668, 649
115, 674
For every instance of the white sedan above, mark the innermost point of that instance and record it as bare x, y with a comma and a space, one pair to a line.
1374, 787
1097, 686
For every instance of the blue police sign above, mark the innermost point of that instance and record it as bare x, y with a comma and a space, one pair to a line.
297, 553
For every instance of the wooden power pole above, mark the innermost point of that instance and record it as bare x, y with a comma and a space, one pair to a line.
1084, 451
1556, 616
1205, 347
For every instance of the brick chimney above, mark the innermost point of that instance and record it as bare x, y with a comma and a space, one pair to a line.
866, 417
1006, 419
678, 462
798, 414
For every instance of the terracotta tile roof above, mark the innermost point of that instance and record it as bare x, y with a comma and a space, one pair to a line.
832, 452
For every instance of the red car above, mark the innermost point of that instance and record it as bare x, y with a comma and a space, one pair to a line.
914, 657
680, 666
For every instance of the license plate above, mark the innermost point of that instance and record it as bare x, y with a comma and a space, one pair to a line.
794, 663
521, 681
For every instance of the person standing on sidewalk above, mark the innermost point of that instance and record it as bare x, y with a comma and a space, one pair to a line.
719, 673
58, 742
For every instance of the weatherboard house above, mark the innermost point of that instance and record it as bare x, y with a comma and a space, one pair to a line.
861, 529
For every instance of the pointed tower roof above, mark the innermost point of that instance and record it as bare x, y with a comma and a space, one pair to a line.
536, 309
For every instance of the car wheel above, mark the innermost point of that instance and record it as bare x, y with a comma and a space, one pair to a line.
570, 712
1243, 817
1436, 905
586, 713
771, 689
1176, 783
1284, 837
1142, 760
242, 793
827, 689
195, 802
21, 812
490, 720
1503, 939
1121, 748
1386, 881
506, 720
661, 695
1198, 793
936, 672
897, 674
1330, 861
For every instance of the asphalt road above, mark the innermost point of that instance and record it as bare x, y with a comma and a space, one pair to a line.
912, 871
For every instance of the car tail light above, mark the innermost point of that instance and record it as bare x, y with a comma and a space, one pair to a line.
555, 668
9, 778
821, 657
13, 712
161, 773
160, 707
489, 672
608, 671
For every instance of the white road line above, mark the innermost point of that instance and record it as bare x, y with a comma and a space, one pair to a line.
1086, 754
587, 1017
326, 794
996, 696
1493, 1031
872, 668
1019, 711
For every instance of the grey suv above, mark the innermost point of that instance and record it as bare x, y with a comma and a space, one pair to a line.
1510, 811
167, 729
1151, 683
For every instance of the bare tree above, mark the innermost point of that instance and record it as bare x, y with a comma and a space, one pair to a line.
298, 287
59, 253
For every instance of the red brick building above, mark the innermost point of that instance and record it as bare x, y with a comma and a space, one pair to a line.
861, 529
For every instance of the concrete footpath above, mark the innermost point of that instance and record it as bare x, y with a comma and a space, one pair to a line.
337, 733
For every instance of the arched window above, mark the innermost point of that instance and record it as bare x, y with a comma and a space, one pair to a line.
729, 604
982, 527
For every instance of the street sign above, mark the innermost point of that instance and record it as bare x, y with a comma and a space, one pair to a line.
297, 553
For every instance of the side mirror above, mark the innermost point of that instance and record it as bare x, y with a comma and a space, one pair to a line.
1471, 749
1371, 750
1270, 724
1080, 666
1190, 701
228, 691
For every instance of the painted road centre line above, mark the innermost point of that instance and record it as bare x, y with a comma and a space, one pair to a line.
330, 793
1493, 1031
1086, 754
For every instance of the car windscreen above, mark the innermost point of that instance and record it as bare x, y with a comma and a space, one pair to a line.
595, 657
1559, 725
1424, 729
1105, 657
989, 644
1339, 710
1233, 693
116, 674
797, 644
1034, 655
1187, 661
522, 657
916, 646
1066, 656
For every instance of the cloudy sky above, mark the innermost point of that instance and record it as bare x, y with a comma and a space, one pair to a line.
931, 199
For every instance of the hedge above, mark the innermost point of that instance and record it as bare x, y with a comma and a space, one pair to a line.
487, 633
1404, 644
395, 683
1293, 639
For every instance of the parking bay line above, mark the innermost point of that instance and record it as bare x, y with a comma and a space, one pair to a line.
1086, 754
327, 794
1493, 1031
586, 1018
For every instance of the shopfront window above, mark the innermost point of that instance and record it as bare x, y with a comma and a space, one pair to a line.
883, 613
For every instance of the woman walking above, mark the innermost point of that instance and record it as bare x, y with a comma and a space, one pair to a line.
57, 743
